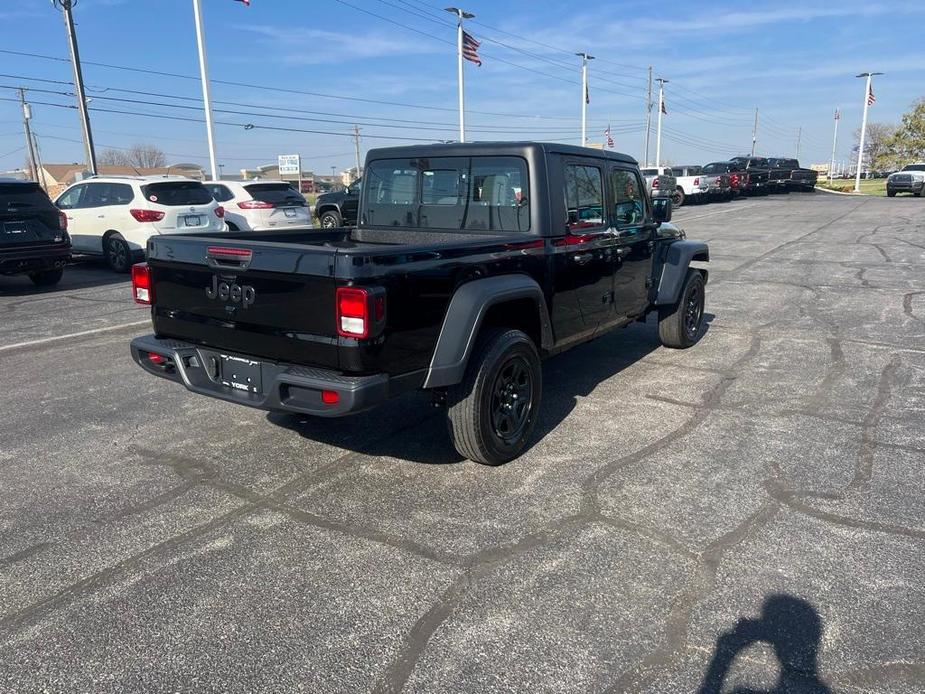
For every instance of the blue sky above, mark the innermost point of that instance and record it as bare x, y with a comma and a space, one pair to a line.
794, 61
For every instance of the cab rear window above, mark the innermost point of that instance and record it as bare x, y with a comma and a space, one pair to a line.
276, 193
177, 193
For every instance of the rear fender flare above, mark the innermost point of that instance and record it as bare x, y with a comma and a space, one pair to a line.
674, 269
463, 319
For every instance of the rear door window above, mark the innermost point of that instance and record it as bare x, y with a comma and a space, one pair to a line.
175, 193
279, 194
584, 197
220, 193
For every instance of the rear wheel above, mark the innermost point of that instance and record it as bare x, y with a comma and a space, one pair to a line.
47, 278
492, 413
681, 324
232, 227
118, 253
331, 220
678, 198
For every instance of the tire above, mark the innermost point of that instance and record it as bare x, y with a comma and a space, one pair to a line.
231, 226
678, 198
891, 193
681, 324
492, 413
331, 220
119, 256
46, 278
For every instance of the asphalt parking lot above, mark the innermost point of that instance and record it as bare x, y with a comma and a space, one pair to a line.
750, 511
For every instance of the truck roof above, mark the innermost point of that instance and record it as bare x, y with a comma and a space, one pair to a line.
523, 149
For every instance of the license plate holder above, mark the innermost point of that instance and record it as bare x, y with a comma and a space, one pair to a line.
193, 220
241, 374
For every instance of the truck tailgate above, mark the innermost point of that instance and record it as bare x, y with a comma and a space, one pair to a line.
272, 300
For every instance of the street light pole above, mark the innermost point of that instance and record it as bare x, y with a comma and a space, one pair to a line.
755, 133
648, 115
584, 96
66, 7
460, 16
834, 146
661, 110
204, 77
857, 175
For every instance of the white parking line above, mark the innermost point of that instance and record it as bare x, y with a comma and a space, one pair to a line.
82, 333
711, 214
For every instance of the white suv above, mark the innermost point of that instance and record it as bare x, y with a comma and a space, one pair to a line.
114, 216
260, 205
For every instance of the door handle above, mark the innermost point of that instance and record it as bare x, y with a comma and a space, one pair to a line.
622, 251
101, 216
582, 258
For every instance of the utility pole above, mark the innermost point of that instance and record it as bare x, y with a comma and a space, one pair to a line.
460, 16
661, 110
26, 117
204, 78
799, 137
834, 146
356, 144
38, 161
584, 96
648, 115
868, 94
755, 133
66, 8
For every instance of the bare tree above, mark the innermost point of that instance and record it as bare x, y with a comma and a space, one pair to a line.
143, 156
877, 148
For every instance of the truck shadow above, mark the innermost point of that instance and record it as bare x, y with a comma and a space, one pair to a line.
410, 428
792, 628
81, 272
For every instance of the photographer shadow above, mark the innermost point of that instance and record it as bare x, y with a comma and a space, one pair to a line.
793, 628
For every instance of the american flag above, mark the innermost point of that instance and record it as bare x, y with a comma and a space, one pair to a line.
608, 137
587, 94
247, 3
837, 115
664, 110
471, 48
870, 96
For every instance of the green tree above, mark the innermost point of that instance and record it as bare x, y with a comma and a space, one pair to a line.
908, 142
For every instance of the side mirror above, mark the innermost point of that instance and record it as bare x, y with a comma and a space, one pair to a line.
661, 209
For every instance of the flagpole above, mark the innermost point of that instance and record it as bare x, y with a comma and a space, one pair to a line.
661, 110
204, 76
460, 16
857, 175
834, 146
584, 96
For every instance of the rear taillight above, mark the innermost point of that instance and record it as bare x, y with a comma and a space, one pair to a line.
734, 180
352, 312
219, 211
255, 205
696, 181
655, 183
142, 291
62, 221
147, 215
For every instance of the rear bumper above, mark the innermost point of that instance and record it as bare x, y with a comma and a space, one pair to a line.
282, 387
35, 259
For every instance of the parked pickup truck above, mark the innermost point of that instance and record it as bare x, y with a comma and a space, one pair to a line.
757, 174
735, 175
660, 182
33, 233
697, 185
798, 178
470, 263
910, 180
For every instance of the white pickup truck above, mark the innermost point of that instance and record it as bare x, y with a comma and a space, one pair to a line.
689, 183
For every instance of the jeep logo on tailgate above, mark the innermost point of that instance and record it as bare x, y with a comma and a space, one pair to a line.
243, 294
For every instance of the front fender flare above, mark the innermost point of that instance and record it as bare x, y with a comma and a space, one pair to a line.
674, 269
464, 317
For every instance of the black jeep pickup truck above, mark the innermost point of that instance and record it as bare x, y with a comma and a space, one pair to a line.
797, 178
33, 233
470, 263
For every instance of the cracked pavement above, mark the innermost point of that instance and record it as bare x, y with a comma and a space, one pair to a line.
747, 513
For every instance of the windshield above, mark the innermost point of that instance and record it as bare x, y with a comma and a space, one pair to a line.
176, 193
23, 195
451, 193
914, 167
716, 168
276, 193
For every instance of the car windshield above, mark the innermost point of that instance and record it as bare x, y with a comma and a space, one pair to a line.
451, 193
175, 193
914, 167
649, 172
22, 195
276, 193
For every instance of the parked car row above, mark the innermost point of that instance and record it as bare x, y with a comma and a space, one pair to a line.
724, 180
